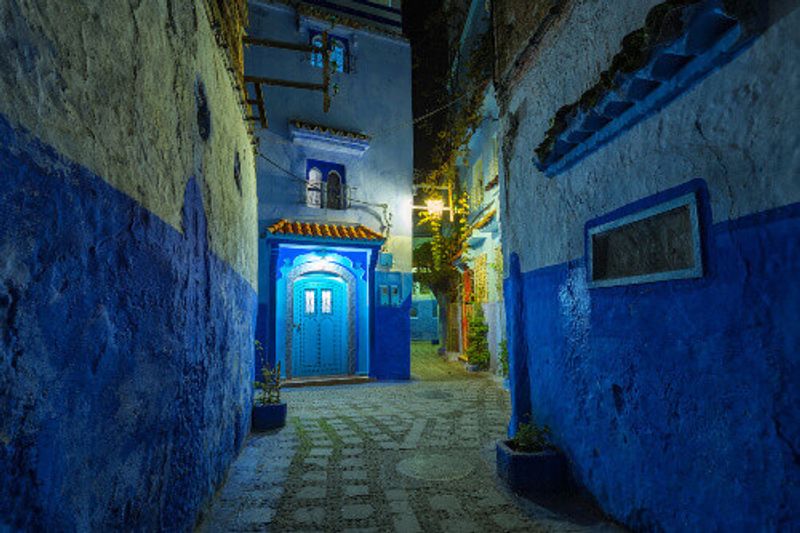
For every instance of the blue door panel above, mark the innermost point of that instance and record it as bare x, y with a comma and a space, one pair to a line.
319, 343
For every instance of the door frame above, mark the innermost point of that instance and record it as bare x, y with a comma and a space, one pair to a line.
293, 276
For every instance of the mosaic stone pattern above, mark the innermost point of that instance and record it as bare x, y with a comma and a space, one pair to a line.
382, 457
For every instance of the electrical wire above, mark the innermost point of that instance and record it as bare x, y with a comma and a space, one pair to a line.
424, 116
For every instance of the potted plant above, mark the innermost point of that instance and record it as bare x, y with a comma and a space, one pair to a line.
268, 410
530, 463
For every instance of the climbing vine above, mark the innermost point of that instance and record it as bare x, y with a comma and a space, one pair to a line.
434, 259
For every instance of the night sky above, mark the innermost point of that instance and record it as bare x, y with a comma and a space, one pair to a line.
430, 66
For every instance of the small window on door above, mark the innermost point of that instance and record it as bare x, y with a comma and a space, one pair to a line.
326, 305
311, 300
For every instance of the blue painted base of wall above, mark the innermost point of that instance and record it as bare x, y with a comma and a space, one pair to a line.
125, 353
391, 354
676, 401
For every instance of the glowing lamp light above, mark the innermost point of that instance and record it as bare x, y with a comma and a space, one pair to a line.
435, 207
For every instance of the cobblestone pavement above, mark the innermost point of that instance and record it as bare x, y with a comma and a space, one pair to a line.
415, 456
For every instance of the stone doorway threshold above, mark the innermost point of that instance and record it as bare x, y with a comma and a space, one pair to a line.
325, 381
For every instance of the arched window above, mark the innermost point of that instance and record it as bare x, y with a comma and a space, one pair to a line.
316, 55
334, 191
314, 188
337, 48
338, 54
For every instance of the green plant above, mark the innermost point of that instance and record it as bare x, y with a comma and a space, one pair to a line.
478, 342
531, 438
504, 357
269, 390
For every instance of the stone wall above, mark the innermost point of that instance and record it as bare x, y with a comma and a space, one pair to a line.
127, 265
517, 27
671, 399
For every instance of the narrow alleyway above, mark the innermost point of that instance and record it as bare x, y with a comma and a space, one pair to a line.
413, 456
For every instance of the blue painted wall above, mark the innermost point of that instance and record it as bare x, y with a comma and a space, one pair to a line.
683, 389
391, 352
425, 325
125, 353
674, 400
374, 98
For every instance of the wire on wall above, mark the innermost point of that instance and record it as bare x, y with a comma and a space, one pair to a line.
386, 212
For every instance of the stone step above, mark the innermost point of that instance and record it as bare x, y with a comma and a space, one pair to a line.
324, 381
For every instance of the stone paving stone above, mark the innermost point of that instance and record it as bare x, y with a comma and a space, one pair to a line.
320, 452
352, 451
354, 475
400, 507
445, 502
310, 493
459, 526
309, 515
407, 524
358, 436
356, 490
357, 511
396, 494
315, 475
257, 516
321, 462
352, 462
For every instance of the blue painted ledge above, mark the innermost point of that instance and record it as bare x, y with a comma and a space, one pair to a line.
711, 39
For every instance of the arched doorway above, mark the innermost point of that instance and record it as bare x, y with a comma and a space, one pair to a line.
320, 318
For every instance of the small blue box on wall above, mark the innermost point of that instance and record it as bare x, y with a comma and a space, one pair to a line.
385, 260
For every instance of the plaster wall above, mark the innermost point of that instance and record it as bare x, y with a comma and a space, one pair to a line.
374, 98
425, 326
487, 240
127, 266
732, 130
106, 85
672, 399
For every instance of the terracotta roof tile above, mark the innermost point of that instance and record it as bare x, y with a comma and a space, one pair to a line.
313, 229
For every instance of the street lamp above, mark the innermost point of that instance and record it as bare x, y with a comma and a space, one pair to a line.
435, 207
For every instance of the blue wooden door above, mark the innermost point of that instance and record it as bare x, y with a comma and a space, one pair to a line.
319, 343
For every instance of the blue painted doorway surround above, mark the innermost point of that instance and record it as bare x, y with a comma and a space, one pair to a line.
320, 326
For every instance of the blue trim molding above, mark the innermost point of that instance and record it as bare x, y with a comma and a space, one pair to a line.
666, 201
711, 38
